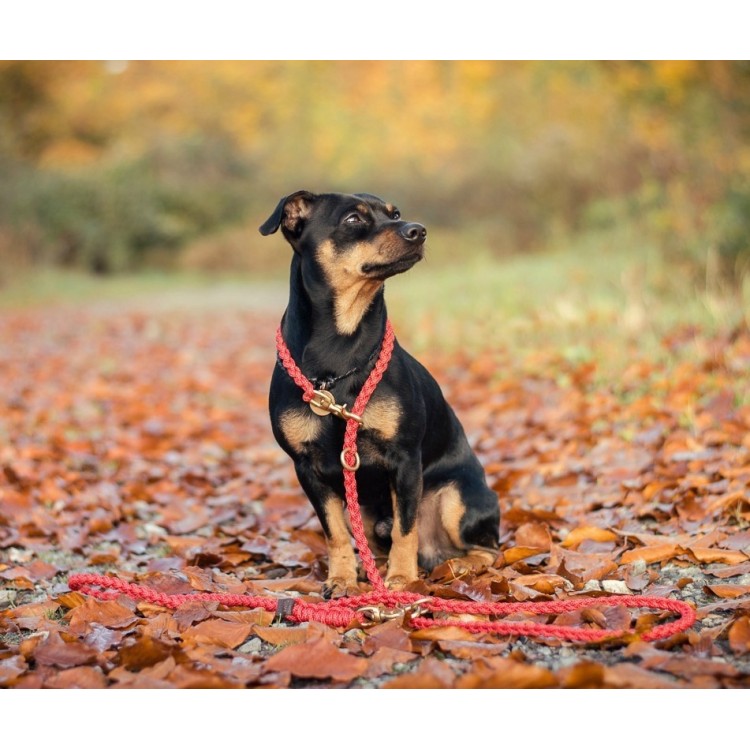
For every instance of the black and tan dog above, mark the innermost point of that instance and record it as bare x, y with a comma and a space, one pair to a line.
422, 490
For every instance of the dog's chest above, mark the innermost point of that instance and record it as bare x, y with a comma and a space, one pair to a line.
316, 436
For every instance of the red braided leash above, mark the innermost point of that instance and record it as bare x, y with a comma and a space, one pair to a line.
359, 610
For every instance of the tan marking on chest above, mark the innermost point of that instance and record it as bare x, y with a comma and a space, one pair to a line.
300, 426
353, 293
384, 416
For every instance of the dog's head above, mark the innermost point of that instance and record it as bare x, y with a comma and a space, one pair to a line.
348, 243
361, 233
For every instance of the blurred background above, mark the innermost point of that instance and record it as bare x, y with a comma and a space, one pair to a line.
564, 197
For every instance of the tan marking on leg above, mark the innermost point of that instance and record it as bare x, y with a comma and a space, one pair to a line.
383, 415
300, 426
402, 560
342, 563
452, 509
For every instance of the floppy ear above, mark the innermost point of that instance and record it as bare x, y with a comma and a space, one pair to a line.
290, 215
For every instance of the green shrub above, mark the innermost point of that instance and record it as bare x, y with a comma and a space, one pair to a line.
111, 217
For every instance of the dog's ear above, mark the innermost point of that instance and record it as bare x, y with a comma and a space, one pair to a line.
291, 215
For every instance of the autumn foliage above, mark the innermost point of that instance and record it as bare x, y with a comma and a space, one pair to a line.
110, 166
136, 442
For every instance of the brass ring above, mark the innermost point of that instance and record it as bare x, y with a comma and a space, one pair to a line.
347, 467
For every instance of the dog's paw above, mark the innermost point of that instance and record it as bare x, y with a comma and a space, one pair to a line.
337, 587
398, 582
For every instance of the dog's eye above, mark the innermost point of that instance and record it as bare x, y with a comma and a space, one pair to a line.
396, 215
353, 219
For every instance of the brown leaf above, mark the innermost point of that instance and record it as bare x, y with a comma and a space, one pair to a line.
656, 553
500, 672
533, 535
109, 614
730, 571
317, 658
514, 554
442, 632
142, 652
469, 650
544, 583
431, 674
632, 676
282, 636
585, 674
186, 676
56, 652
101, 638
78, 677
582, 533
384, 659
706, 555
218, 633
389, 634
586, 567
727, 590
739, 635
11, 669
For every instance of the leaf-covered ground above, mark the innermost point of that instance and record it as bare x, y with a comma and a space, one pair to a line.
136, 442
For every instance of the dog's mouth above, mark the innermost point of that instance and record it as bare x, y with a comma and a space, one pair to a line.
384, 270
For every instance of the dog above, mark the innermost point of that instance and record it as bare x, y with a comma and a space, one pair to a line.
423, 493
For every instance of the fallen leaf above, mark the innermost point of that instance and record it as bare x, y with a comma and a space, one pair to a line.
584, 674
501, 672
730, 557
514, 554
55, 652
656, 553
727, 590
469, 650
533, 535
78, 677
578, 535
318, 659
216, 632
282, 636
431, 674
739, 635
384, 659
109, 614
632, 676
10, 669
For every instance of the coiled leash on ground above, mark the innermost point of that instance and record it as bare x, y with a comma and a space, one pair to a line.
380, 603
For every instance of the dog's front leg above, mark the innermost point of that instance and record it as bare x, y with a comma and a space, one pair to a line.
406, 491
342, 562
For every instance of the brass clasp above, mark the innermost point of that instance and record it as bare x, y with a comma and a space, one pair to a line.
324, 404
377, 613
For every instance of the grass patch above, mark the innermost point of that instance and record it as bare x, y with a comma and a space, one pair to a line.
607, 297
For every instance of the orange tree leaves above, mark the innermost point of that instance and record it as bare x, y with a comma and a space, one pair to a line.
139, 444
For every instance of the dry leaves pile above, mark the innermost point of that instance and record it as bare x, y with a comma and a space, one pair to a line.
138, 444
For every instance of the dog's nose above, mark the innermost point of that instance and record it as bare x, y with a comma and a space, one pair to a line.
413, 232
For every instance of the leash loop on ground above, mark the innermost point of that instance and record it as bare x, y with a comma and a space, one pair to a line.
381, 604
